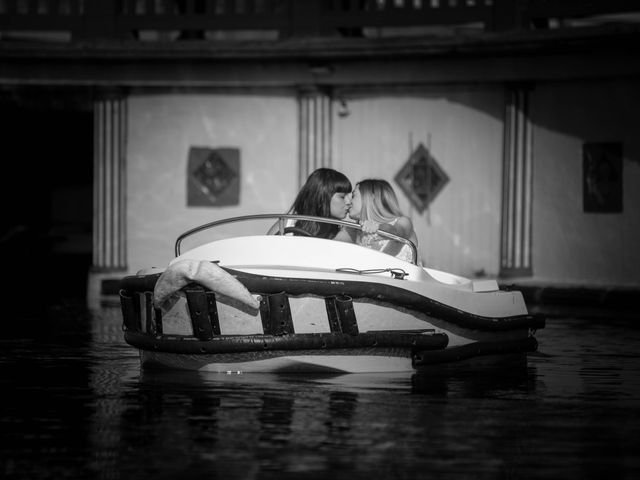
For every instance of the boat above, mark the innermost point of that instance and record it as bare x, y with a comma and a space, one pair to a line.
289, 302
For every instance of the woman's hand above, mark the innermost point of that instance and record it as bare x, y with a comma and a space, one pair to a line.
369, 227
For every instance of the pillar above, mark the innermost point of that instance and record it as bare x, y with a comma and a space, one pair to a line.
109, 192
315, 111
515, 248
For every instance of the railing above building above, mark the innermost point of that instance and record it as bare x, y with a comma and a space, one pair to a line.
211, 20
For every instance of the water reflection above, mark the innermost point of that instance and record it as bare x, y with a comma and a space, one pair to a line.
279, 423
75, 404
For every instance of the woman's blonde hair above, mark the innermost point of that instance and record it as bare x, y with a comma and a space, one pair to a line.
379, 201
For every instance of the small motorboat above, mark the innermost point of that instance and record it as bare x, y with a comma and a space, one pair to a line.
288, 302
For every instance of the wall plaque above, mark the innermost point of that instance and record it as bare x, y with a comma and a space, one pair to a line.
213, 177
602, 177
421, 178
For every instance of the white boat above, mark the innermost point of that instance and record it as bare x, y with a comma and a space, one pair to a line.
292, 303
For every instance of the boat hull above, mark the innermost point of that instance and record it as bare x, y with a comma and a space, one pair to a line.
342, 324
281, 362
341, 360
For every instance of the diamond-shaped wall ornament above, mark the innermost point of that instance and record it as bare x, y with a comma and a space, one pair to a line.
421, 178
213, 177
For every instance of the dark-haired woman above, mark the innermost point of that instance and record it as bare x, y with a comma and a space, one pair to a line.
326, 193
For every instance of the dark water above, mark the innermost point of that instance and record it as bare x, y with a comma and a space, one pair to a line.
76, 405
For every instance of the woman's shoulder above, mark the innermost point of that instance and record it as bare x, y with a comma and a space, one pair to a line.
402, 223
401, 226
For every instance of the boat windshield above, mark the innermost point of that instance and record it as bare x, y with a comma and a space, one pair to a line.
284, 224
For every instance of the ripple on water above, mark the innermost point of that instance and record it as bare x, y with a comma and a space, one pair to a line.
76, 404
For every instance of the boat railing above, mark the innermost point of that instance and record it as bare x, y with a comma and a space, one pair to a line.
282, 228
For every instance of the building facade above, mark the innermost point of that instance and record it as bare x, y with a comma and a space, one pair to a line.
521, 120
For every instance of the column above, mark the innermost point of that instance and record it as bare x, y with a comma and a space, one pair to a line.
109, 185
515, 248
315, 131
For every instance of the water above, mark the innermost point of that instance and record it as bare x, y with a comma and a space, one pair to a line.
76, 405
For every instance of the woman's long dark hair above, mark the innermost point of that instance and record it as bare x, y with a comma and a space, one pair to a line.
314, 198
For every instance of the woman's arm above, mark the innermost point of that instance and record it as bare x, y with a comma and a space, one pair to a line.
402, 228
346, 234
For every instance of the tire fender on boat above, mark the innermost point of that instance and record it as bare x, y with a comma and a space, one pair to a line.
207, 274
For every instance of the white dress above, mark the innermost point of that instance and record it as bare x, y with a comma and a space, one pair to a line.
377, 242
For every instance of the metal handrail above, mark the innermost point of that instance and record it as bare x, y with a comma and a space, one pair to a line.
286, 216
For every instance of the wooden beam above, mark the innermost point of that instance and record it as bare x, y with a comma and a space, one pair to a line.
395, 73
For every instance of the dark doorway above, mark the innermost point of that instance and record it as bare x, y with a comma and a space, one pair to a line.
46, 231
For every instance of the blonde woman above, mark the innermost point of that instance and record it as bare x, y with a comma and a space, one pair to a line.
375, 206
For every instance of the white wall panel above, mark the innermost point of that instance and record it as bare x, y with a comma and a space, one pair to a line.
460, 232
161, 130
570, 245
